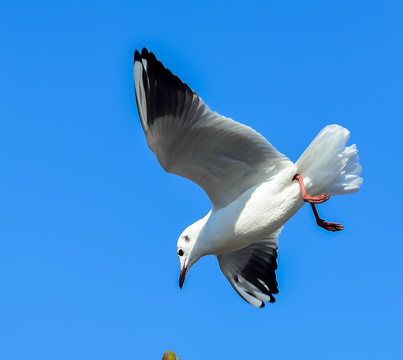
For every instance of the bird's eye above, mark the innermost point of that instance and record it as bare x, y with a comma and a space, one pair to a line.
180, 252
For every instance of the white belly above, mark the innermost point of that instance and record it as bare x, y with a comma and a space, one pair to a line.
255, 214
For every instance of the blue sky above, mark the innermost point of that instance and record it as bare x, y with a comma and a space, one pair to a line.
89, 220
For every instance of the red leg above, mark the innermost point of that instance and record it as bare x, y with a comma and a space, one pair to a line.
317, 200
324, 224
308, 198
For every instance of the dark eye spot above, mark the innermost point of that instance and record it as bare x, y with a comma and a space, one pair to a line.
187, 239
180, 252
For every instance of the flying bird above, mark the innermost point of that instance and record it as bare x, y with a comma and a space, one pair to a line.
254, 189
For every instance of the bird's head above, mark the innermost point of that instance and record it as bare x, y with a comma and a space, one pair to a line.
188, 248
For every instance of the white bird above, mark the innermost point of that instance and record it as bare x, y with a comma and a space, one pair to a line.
254, 189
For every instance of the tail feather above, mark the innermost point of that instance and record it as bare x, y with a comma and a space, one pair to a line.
328, 166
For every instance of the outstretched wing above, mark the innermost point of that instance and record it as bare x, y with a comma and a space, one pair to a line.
222, 156
252, 270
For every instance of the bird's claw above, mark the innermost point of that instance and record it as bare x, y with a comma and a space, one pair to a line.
317, 199
329, 226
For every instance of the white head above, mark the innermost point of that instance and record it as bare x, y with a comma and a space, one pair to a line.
188, 248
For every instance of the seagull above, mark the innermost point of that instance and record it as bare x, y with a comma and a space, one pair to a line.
254, 189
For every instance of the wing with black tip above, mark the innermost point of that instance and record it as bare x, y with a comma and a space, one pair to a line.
222, 156
252, 270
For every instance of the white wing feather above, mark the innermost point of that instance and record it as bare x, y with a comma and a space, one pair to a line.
222, 156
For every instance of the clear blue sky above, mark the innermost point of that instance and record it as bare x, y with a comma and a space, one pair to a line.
89, 220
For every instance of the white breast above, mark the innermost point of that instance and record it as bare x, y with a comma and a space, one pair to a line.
255, 214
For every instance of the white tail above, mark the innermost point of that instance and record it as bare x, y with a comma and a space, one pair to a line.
328, 166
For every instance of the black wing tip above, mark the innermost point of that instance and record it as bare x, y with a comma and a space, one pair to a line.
159, 68
165, 93
137, 56
144, 54
270, 293
261, 273
271, 301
